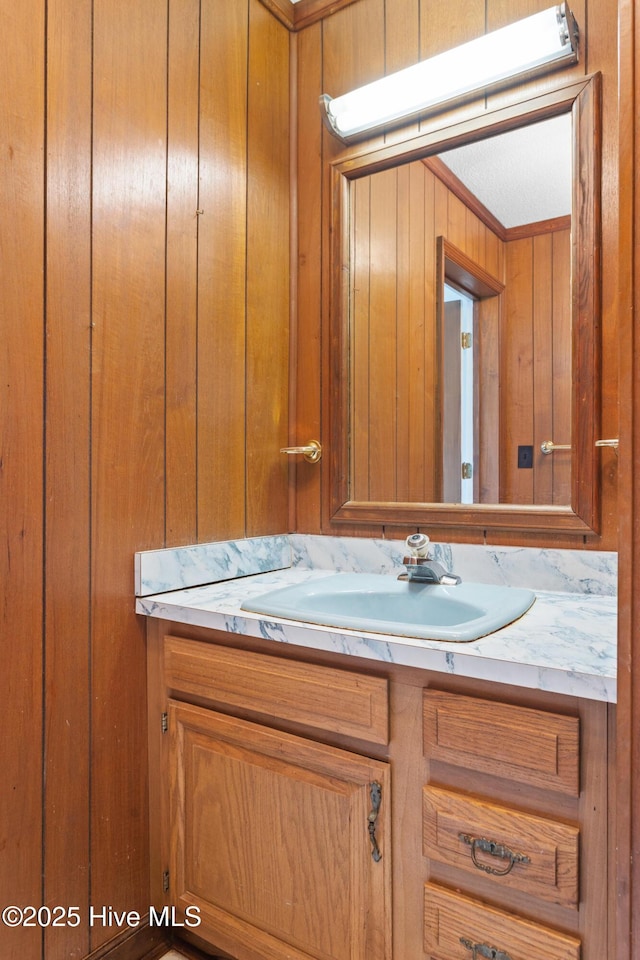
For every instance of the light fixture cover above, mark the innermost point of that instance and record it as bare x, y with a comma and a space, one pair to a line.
545, 39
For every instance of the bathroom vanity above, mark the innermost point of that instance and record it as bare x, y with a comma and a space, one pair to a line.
326, 795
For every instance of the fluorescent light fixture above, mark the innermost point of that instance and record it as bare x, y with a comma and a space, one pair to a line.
544, 40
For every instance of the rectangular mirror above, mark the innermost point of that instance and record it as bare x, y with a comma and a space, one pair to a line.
465, 322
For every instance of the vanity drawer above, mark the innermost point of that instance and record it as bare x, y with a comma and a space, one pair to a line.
337, 701
534, 747
459, 928
462, 831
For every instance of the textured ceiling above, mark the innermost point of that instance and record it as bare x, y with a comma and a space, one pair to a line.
521, 176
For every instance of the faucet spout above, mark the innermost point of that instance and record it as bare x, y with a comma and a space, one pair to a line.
420, 568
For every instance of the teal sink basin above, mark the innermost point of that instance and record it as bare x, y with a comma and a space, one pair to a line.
375, 603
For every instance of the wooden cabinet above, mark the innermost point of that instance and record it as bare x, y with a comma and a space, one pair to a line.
271, 843
278, 843
292, 794
506, 880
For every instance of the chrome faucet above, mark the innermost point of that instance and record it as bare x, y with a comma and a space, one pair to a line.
420, 568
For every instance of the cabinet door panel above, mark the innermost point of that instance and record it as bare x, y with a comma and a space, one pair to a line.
271, 841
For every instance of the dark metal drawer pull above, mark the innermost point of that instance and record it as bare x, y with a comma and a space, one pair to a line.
375, 793
494, 850
484, 950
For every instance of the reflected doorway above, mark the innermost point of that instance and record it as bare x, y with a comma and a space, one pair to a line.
459, 426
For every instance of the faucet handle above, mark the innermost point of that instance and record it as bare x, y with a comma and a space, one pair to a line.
418, 545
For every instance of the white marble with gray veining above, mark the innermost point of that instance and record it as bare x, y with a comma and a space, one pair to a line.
566, 642
159, 570
574, 571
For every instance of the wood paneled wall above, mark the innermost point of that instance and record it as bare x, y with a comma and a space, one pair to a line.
396, 218
355, 45
144, 339
536, 367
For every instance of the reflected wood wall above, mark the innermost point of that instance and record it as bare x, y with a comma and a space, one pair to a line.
143, 369
395, 348
536, 367
355, 45
397, 216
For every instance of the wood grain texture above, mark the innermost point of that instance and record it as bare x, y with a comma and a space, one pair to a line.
340, 701
67, 533
266, 380
22, 108
450, 918
183, 219
222, 254
229, 780
539, 748
127, 453
306, 419
626, 886
535, 340
551, 848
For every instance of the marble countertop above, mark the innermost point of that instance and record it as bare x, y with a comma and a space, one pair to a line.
565, 643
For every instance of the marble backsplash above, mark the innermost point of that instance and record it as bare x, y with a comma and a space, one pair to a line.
570, 571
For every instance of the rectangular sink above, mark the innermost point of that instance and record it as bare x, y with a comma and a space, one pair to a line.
377, 603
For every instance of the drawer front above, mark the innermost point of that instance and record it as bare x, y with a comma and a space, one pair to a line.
518, 850
337, 701
535, 747
459, 928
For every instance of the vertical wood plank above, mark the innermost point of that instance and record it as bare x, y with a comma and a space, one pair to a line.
68, 332
182, 271
626, 722
402, 40
561, 373
359, 340
419, 197
602, 54
382, 376
21, 463
416, 297
308, 422
542, 355
222, 253
129, 177
487, 384
404, 345
516, 486
268, 256
445, 26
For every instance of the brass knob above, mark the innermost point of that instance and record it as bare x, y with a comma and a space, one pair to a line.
312, 451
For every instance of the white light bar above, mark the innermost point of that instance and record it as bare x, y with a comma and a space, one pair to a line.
543, 40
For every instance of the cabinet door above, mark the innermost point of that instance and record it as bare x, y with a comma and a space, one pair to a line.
270, 841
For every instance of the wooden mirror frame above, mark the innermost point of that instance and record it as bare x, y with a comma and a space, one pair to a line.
582, 517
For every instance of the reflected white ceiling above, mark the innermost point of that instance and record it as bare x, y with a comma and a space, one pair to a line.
521, 176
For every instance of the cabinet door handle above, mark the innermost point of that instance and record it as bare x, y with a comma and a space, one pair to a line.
484, 950
495, 850
375, 793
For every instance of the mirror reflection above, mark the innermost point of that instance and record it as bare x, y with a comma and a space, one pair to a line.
459, 326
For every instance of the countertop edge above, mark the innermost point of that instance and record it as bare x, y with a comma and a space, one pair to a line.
490, 658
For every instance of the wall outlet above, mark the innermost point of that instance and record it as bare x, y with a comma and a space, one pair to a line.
525, 458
